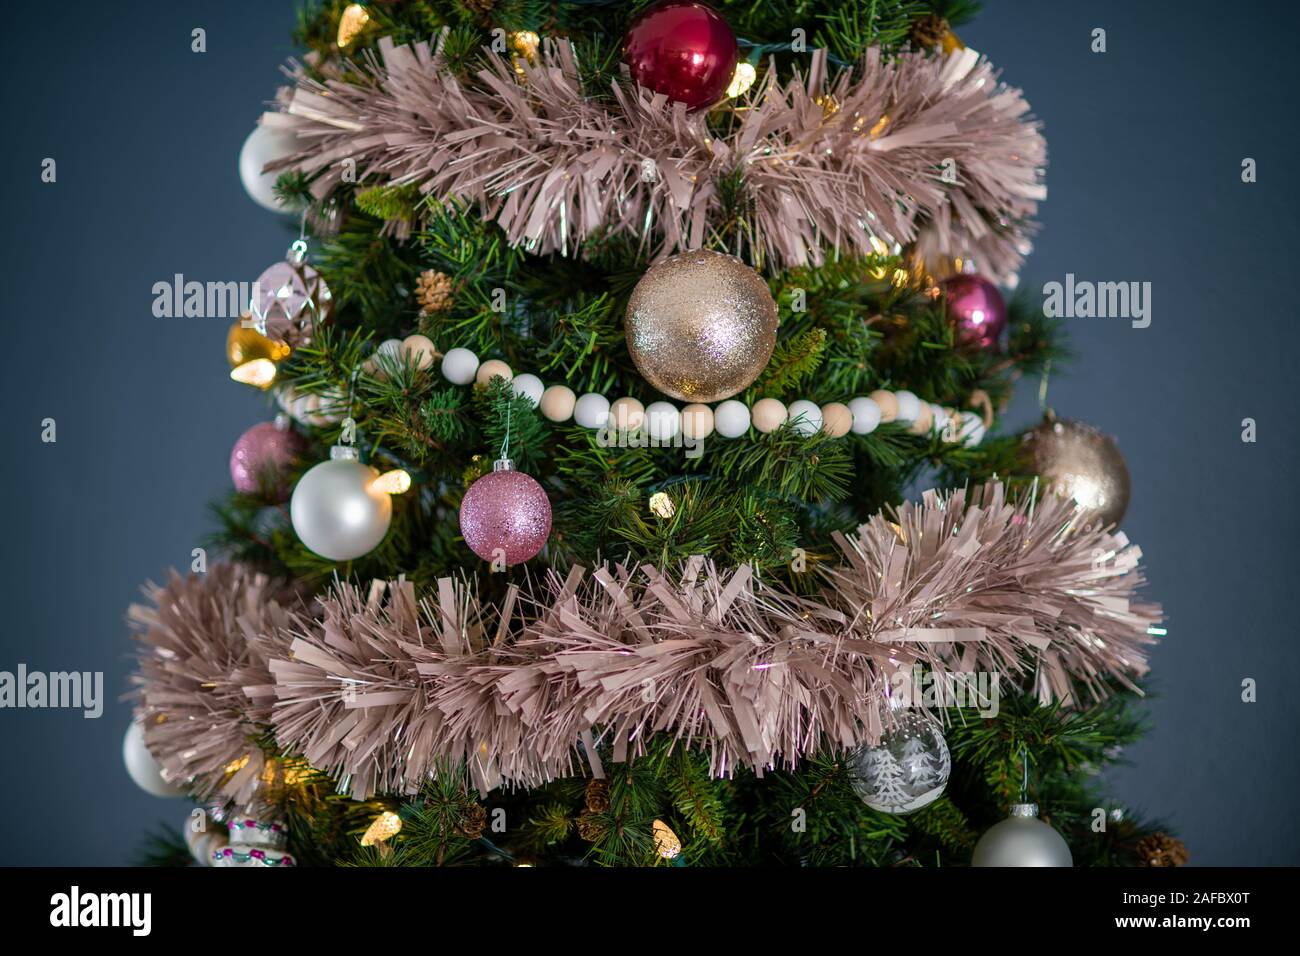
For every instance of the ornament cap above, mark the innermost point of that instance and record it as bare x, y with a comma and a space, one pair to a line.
344, 453
1024, 810
503, 464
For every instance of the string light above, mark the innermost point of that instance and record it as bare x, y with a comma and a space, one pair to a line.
253, 357
351, 23
742, 79
666, 842
385, 826
662, 505
395, 482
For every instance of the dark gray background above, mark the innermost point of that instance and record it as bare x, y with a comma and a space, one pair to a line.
1146, 142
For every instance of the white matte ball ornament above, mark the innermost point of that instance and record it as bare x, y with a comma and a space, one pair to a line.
1022, 840
558, 402
768, 414
262, 146
663, 421
459, 366
909, 406
972, 429
731, 418
697, 422
806, 416
141, 767
591, 411
529, 386
336, 511
866, 415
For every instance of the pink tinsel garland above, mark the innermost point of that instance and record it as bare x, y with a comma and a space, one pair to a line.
380, 688
907, 148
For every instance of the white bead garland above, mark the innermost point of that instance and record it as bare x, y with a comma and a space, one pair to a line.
663, 421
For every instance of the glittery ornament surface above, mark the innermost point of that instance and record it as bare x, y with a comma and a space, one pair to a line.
292, 299
976, 308
1077, 461
260, 458
701, 326
505, 515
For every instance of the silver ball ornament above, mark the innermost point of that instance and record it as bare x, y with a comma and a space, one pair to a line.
906, 771
336, 510
701, 326
1022, 840
142, 767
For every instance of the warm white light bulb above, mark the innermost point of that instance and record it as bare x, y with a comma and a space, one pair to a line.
742, 79
393, 482
259, 372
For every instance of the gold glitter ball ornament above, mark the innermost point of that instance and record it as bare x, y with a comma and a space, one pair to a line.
701, 326
1077, 461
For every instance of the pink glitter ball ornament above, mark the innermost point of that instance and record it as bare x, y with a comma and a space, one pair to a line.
261, 458
976, 308
505, 516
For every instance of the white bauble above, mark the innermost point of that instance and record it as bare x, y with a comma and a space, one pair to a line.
591, 411
264, 145
336, 512
731, 418
141, 766
459, 366
906, 771
805, 417
909, 406
866, 415
529, 386
1022, 840
663, 421
972, 429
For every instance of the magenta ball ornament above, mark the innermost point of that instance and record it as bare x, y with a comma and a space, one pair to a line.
505, 516
976, 309
682, 49
261, 459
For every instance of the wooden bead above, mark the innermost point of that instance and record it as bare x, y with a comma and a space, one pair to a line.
768, 414
887, 402
491, 369
557, 403
419, 350
924, 419
627, 414
836, 419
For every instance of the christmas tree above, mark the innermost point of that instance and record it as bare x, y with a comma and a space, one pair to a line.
637, 493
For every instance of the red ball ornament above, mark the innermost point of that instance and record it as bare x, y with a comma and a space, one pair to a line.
682, 49
261, 458
505, 516
976, 308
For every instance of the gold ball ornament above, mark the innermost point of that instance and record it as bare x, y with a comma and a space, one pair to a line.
701, 326
1077, 461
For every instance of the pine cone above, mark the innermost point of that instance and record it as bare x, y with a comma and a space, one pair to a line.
928, 31
597, 795
591, 826
472, 821
1160, 849
433, 291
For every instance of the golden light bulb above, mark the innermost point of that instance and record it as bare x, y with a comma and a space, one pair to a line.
384, 827
742, 79
662, 505
395, 482
526, 43
666, 842
352, 22
259, 372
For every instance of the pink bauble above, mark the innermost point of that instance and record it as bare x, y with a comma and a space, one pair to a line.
976, 309
505, 516
292, 299
682, 49
261, 458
